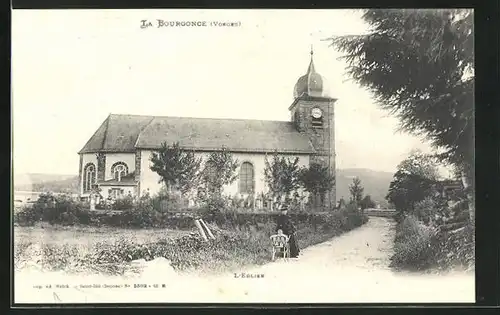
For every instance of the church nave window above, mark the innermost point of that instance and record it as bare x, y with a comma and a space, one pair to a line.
119, 170
89, 177
246, 178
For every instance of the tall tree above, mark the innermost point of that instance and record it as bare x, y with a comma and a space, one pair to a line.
282, 176
220, 170
420, 164
367, 203
413, 181
419, 64
356, 190
178, 169
316, 179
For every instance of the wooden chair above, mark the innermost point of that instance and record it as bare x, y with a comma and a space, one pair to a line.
280, 245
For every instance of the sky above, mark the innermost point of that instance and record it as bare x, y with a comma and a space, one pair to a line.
72, 68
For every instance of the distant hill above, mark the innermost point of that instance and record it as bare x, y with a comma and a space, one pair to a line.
375, 183
46, 182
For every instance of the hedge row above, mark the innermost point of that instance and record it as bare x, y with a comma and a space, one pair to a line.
68, 212
420, 247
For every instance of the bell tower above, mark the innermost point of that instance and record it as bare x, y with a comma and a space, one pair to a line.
312, 113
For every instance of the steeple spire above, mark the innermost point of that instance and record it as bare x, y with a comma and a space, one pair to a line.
310, 83
311, 64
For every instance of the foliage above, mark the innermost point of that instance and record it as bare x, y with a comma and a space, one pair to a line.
166, 200
413, 246
282, 176
220, 170
420, 164
456, 249
413, 182
432, 210
316, 179
148, 213
432, 230
299, 200
418, 246
367, 203
124, 203
178, 169
215, 204
237, 201
50, 208
419, 64
356, 190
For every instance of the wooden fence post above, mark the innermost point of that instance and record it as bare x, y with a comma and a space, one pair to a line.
200, 229
207, 229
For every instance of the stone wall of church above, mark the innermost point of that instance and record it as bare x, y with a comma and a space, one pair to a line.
323, 139
112, 158
101, 166
149, 179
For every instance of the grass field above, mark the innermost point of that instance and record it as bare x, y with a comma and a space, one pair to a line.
111, 250
74, 248
85, 235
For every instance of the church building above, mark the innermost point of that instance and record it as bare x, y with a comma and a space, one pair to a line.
117, 156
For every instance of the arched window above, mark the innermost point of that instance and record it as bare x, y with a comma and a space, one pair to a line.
119, 170
89, 176
246, 178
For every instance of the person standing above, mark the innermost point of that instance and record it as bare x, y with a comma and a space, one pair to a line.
285, 224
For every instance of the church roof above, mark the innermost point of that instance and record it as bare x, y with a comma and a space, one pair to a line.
126, 133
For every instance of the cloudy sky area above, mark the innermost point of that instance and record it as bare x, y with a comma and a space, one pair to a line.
71, 69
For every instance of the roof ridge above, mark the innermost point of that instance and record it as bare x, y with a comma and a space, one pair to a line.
142, 129
105, 132
94, 134
131, 115
200, 118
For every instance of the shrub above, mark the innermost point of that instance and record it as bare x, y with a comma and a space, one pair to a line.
414, 246
456, 249
27, 216
215, 204
124, 203
437, 234
50, 208
420, 247
432, 211
237, 201
147, 212
148, 203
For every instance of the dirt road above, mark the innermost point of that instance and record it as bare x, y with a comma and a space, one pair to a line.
351, 268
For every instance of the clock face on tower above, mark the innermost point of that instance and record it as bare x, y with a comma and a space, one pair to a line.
316, 113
